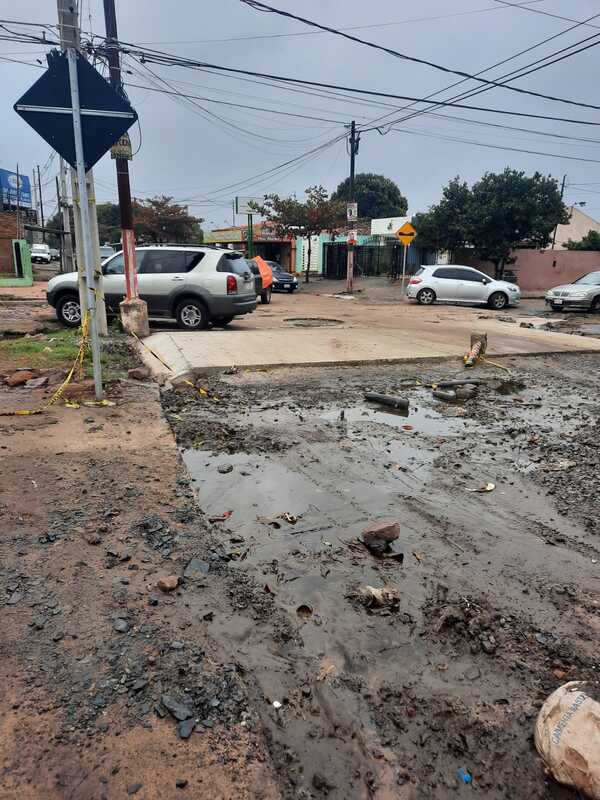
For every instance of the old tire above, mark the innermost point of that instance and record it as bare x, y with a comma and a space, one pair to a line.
498, 301
426, 297
221, 322
192, 315
68, 310
265, 297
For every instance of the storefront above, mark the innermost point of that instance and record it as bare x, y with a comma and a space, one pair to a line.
267, 243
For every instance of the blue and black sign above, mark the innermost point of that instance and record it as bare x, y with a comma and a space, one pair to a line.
46, 106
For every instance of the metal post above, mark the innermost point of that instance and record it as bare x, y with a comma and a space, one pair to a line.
233, 213
66, 257
41, 203
562, 192
250, 238
405, 248
350, 248
85, 220
18, 203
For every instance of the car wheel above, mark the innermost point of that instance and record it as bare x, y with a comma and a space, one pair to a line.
554, 307
265, 297
192, 315
221, 322
68, 310
426, 297
596, 304
291, 290
498, 301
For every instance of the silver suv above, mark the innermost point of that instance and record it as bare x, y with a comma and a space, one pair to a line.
193, 285
453, 283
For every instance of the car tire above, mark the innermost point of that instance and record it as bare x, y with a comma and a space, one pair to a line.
291, 290
221, 322
498, 301
265, 297
191, 315
68, 310
595, 307
426, 297
554, 307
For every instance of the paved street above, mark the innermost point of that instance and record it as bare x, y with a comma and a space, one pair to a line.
315, 327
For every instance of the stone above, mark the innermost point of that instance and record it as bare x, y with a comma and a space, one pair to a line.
181, 783
134, 788
185, 729
224, 468
195, 568
380, 534
177, 645
99, 701
19, 378
80, 390
168, 583
179, 710
37, 383
138, 373
472, 673
121, 625
15, 598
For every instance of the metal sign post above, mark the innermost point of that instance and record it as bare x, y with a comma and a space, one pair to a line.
85, 221
405, 234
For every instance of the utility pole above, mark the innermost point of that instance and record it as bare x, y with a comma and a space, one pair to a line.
134, 311
233, 213
68, 20
354, 142
562, 194
66, 254
41, 203
250, 238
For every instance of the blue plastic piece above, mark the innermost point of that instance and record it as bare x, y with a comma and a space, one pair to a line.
464, 775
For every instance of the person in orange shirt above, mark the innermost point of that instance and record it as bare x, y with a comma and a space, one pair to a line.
266, 273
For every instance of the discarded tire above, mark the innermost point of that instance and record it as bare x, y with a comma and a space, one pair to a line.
566, 737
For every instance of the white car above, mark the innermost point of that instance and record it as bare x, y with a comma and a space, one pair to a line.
582, 293
41, 253
454, 283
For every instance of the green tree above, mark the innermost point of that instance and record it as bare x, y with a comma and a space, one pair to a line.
288, 216
508, 209
591, 241
109, 223
376, 195
157, 219
446, 225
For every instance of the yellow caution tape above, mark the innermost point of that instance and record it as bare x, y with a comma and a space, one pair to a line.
77, 365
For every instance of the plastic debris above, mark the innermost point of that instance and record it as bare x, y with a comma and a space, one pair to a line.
387, 400
464, 775
371, 597
487, 487
566, 737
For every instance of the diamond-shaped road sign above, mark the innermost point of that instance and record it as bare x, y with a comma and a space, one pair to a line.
46, 106
406, 233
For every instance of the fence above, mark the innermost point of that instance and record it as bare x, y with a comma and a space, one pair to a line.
372, 259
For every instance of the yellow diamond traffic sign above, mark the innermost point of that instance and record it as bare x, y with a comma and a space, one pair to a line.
406, 233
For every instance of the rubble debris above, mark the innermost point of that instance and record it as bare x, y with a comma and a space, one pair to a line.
19, 377
139, 373
273, 519
196, 568
168, 583
478, 349
387, 400
180, 711
379, 535
371, 597
221, 517
224, 469
37, 383
486, 487
464, 775
566, 737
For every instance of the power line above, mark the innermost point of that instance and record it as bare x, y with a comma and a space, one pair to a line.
259, 6
545, 13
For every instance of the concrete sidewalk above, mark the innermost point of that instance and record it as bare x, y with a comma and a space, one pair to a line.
412, 338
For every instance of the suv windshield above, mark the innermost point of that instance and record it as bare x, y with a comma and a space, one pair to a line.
591, 279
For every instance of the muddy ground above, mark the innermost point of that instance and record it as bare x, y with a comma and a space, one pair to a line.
498, 590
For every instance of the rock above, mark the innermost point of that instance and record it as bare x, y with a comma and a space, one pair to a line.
177, 646
37, 383
181, 783
138, 373
378, 535
224, 468
168, 583
321, 784
472, 673
99, 701
19, 378
121, 625
196, 568
185, 729
179, 710
93, 538
134, 788
78, 391
526, 325
15, 598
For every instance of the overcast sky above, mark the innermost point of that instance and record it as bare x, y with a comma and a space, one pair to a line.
190, 155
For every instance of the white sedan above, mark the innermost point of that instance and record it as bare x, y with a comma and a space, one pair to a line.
454, 283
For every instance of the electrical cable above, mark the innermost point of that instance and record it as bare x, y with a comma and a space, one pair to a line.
259, 6
539, 11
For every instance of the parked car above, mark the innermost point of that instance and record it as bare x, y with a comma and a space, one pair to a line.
454, 283
40, 253
582, 293
106, 251
54, 254
193, 285
282, 281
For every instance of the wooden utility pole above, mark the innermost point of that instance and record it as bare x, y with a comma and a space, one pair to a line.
66, 255
354, 142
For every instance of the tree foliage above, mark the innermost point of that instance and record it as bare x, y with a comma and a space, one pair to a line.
160, 220
289, 216
109, 223
498, 213
591, 241
376, 195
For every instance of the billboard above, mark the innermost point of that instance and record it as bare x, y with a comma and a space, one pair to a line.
8, 189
